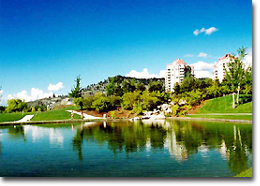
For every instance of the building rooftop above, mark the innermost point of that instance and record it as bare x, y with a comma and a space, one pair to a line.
177, 61
226, 56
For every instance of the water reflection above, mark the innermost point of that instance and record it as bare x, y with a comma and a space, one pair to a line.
183, 145
181, 139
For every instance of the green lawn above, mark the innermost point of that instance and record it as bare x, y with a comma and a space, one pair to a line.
224, 105
242, 117
246, 173
4, 117
59, 114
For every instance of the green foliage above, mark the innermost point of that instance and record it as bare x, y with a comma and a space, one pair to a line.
79, 102
76, 91
114, 88
175, 109
2, 109
16, 105
246, 174
102, 104
33, 109
129, 85
156, 86
245, 98
129, 99
112, 114
140, 101
194, 97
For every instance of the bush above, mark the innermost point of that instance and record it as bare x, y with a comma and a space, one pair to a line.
2, 109
33, 109
16, 105
245, 98
175, 109
102, 104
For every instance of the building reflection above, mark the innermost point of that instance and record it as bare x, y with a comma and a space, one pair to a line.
181, 139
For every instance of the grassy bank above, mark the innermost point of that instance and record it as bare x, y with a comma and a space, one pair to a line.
221, 108
224, 105
4, 117
247, 173
56, 114
243, 117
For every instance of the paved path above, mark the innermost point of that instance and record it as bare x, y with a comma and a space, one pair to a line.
25, 119
86, 116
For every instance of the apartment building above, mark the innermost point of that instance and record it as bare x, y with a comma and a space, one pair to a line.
175, 73
220, 66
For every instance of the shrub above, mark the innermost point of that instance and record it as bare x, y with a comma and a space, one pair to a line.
33, 109
102, 104
16, 105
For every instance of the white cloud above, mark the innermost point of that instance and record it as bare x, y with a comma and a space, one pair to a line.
202, 54
248, 59
196, 32
55, 87
162, 73
35, 94
206, 31
188, 55
9, 96
203, 69
144, 74
211, 30
1, 93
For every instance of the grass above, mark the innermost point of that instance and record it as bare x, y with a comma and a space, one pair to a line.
4, 117
241, 117
224, 105
57, 114
247, 173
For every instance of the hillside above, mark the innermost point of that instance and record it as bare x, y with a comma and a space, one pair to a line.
101, 86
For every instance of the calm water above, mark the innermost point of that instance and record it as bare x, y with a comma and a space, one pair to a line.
161, 149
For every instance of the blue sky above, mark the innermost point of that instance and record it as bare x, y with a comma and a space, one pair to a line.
46, 42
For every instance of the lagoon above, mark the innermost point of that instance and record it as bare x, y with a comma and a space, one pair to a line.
167, 148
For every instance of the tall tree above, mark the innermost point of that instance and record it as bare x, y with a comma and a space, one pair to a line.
235, 73
76, 91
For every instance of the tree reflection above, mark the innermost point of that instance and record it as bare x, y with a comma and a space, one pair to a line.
16, 132
181, 138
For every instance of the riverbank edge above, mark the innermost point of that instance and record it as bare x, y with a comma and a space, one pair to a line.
109, 119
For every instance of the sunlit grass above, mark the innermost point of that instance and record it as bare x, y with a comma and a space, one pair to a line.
224, 105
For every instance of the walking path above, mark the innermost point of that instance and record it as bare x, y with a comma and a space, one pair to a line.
25, 119
86, 116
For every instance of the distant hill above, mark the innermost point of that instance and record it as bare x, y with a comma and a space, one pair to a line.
90, 89
101, 86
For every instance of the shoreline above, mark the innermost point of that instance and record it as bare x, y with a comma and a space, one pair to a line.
109, 119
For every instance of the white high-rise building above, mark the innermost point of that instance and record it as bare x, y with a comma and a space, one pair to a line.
220, 66
175, 73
